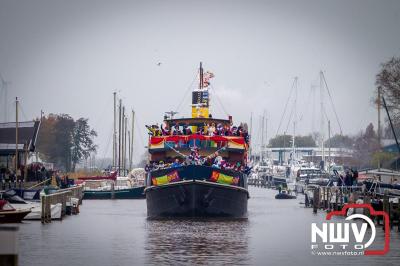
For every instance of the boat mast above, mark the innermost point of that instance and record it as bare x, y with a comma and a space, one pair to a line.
262, 140
266, 134
125, 133
119, 136
115, 130
378, 102
329, 142
132, 130
250, 133
123, 139
322, 137
200, 96
16, 135
294, 124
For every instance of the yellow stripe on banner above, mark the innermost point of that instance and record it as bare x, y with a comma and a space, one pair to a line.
234, 145
225, 179
157, 146
162, 180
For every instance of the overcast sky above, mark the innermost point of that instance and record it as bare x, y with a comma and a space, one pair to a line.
69, 57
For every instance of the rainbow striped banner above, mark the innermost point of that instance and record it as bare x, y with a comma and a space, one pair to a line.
166, 179
224, 179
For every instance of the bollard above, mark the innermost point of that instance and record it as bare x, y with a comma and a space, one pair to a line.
9, 245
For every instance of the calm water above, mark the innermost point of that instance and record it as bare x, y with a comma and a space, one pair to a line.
118, 233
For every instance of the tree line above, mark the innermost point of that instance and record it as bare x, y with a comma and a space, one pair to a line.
65, 141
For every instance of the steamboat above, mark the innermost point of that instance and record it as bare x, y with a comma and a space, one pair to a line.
197, 165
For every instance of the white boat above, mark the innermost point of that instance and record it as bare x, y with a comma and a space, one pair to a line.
36, 210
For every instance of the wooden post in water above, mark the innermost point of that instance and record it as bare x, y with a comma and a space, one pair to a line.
316, 200
367, 200
329, 198
43, 209
386, 205
112, 190
336, 200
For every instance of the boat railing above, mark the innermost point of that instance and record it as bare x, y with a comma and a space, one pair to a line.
199, 141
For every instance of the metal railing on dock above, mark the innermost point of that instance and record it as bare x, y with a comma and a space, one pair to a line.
62, 196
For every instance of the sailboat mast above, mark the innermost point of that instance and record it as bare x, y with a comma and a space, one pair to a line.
262, 138
321, 85
129, 150
201, 85
378, 101
132, 134
16, 135
119, 136
329, 142
125, 133
250, 133
123, 139
115, 130
294, 122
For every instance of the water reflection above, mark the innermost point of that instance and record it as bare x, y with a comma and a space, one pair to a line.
194, 241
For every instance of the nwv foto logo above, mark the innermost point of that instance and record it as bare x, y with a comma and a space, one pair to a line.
333, 238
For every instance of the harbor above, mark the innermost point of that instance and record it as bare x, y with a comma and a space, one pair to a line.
188, 133
135, 238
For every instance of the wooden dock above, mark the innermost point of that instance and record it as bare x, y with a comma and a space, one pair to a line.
72, 196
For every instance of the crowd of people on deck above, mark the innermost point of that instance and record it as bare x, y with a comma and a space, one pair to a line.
214, 160
206, 130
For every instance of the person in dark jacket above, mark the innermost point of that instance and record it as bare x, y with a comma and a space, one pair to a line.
348, 179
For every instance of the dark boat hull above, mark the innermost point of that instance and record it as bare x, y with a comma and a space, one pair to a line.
13, 216
196, 198
131, 193
284, 196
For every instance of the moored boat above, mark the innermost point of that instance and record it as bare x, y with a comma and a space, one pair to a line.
121, 188
8, 214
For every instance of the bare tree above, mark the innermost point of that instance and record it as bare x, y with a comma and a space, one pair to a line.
388, 80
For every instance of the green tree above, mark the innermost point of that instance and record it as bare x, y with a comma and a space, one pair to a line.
63, 141
281, 141
82, 141
340, 141
54, 139
304, 141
